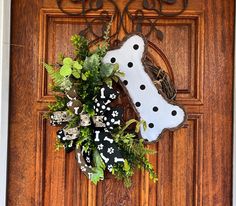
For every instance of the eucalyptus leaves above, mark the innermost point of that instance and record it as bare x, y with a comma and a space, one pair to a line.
92, 127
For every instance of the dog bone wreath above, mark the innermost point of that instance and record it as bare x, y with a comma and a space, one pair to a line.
92, 126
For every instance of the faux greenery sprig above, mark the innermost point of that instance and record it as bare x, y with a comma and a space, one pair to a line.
135, 152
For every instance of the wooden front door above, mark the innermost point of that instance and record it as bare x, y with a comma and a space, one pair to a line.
194, 164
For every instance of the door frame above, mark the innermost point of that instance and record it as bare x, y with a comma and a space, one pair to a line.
5, 14
234, 118
5, 22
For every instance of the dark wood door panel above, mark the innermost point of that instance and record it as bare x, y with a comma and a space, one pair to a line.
193, 163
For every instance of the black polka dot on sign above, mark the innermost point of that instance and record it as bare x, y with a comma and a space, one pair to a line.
142, 87
173, 113
155, 109
151, 125
138, 104
113, 60
136, 46
130, 64
125, 82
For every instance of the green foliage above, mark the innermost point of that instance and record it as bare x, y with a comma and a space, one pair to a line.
80, 44
134, 151
137, 127
104, 46
54, 74
106, 70
91, 79
60, 59
92, 62
89, 109
110, 73
98, 169
86, 138
76, 70
107, 32
74, 122
58, 145
123, 172
58, 105
65, 70
87, 71
55, 88
70, 67
66, 84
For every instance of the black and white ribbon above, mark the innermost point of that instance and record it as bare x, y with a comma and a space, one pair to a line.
105, 120
106, 146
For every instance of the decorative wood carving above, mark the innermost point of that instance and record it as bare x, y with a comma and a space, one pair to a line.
131, 10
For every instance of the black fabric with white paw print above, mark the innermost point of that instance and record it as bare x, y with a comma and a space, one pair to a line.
106, 146
103, 99
112, 118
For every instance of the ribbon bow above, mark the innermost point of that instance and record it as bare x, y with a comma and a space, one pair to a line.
105, 120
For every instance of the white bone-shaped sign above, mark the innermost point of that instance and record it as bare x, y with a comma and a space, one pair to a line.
156, 110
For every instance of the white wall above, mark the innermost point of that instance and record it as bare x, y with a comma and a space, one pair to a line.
4, 92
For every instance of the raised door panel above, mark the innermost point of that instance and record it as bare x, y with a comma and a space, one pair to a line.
193, 163
175, 161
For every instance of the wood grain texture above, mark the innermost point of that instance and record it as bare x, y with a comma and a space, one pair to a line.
217, 172
194, 164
